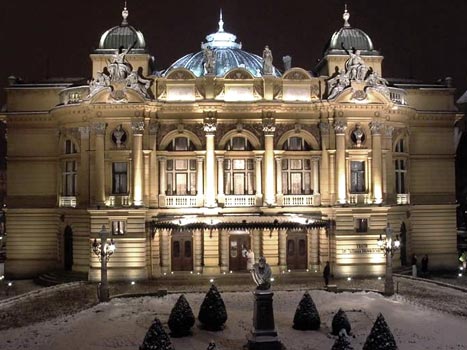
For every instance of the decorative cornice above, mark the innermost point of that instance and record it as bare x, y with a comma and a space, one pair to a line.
340, 126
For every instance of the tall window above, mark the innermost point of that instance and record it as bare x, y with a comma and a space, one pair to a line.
357, 177
70, 147
120, 178
239, 176
118, 227
181, 177
296, 176
69, 174
400, 167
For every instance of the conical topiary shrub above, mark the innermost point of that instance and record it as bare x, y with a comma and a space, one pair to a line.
340, 321
380, 337
306, 316
156, 338
212, 313
342, 343
181, 318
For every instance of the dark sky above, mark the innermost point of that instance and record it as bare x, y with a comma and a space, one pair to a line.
423, 39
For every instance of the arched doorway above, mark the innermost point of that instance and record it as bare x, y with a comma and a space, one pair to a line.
182, 251
403, 247
68, 248
296, 250
238, 244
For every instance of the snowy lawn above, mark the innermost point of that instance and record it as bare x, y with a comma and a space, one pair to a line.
122, 324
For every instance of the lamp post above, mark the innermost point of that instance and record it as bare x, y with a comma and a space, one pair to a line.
388, 246
103, 250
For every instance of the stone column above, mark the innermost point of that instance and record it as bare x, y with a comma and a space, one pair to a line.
166, 251
269, 178
210, 129
332, 176
314, 253
279, 194
390, 171
224, 247
258, 180
147, 165
198, 251
324, 178
137, 151
282, 249
220, 179
84, 170
153, 166
199, 181
376, 128
99, 190
339, 127
163, 180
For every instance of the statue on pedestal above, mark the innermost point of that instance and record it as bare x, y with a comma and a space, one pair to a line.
261, 274
119, 68
355, 66
267, 61
209, 61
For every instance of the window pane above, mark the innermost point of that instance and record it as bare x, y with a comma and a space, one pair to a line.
291, 247
295, 143
250, 164
285, 183
250, 183
187, 249
285, 164
307, 183
301, 247
238, 144
233, 249
181, 184
296, 183
176, 249
238, 164
295, 164
170, 165
239, 183
307, 164
181, 144
227, 164
181, 164
193, 184
193, 164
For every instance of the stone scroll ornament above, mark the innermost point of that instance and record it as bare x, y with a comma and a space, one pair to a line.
262, 274
356, 70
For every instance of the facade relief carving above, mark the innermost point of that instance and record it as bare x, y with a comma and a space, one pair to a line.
119, 136
340, 126
99, 128
269, 124
138, 127
376, 127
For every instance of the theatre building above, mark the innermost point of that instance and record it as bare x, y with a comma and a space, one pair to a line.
226, 150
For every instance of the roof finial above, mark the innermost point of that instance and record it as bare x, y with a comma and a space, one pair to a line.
346, 17
221, 22
125, 15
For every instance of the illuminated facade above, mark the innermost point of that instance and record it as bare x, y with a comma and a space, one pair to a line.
222, 151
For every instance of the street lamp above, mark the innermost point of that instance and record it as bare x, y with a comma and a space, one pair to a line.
388, 246
103, 250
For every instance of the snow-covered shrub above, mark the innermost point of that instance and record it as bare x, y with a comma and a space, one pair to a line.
306, 316
342, 343
181, 318
340, 321
212, 313
156, 338
380, 337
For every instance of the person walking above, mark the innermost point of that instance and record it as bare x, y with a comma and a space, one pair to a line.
326, 273
414, 265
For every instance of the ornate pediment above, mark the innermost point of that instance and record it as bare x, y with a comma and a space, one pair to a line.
180, 74
296, 74
238, 74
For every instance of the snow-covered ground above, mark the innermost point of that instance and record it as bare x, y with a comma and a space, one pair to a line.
122, 323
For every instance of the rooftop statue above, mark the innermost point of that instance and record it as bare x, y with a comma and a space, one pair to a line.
261, 274
209, 61
267, 61
138, 83
101, 81
337, 84
378, 83
119, 68
355, 66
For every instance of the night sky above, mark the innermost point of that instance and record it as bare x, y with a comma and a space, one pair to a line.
422, 39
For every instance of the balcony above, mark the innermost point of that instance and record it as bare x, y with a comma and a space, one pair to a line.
301, 200
180, 201
403, 198
359, 198
240, 201
73, 94
118, 201
67, 202
398, 96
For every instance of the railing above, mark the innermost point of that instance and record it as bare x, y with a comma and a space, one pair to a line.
73, 94
240, 201
359, 198
403, 198
180, 201
119, 201
67, 202
301, 200
398, 96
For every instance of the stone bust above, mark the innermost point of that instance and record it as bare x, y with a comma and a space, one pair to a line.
261, 274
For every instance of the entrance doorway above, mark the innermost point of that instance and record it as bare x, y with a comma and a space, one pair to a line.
182, 252
237, 245
297, 251
68, 248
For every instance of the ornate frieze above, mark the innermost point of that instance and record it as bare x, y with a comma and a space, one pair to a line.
340, 126
269, 123
99, 128
137, 126
376, 127
210, 123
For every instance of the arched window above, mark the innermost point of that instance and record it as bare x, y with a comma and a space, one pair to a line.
181, 143
296, 143
238, 143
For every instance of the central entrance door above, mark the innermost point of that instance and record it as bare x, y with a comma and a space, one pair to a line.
182, 252
296, 251
237, 245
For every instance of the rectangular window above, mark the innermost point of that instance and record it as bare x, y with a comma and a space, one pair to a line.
296, 183
69, 178
118, 227
361, 225
357, 177
69, 147
238, 164
120, 178
401, 172
239, 183
295, 164
181, 180
181, 164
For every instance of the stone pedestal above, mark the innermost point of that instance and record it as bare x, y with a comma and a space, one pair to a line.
263, 335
